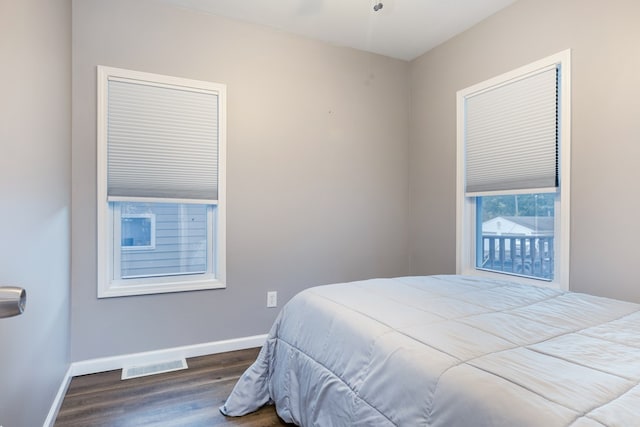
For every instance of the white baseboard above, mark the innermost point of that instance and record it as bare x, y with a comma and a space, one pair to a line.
103, 364
57, 402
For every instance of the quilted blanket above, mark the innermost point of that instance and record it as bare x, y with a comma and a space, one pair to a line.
447, 351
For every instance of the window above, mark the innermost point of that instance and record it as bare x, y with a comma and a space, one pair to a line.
138, 231
513, 174
161, 184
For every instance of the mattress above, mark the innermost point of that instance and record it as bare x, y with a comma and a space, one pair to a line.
447, 351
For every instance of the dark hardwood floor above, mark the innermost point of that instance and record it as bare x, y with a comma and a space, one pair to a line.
183, 398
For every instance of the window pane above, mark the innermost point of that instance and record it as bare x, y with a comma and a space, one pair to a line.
138, 231
180, 239
515, 234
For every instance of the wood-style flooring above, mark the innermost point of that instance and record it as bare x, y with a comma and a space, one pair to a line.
186, 398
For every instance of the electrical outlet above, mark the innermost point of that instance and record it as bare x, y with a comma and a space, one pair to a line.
272, 299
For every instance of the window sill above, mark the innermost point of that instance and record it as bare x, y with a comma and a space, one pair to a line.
123, 288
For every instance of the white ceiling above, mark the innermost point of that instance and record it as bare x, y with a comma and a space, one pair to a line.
402, 29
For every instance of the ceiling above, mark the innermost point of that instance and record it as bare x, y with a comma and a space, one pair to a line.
402, 29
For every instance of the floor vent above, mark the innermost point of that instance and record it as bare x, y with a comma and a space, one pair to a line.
156, 368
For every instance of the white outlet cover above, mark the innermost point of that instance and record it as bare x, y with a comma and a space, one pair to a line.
272, 299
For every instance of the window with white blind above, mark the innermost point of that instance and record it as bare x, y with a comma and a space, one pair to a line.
161, 183
513, 174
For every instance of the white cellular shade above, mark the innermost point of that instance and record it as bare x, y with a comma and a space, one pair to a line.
162, 142
511, 136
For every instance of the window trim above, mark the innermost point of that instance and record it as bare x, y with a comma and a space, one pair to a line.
108, 287
466, 206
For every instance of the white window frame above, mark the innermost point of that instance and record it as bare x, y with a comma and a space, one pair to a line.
216, 218
466, 206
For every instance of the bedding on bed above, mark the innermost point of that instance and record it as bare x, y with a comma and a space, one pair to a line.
447, 351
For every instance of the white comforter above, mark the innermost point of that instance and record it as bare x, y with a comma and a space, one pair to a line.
447, 351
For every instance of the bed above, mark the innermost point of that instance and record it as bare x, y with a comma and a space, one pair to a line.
447, 351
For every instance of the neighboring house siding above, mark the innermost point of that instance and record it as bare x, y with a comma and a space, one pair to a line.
519, 225
180, 245
500, 225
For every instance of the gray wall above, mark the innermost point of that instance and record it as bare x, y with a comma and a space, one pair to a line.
35, 164
604, 40
317, 169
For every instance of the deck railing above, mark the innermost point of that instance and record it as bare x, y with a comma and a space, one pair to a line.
525, 255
